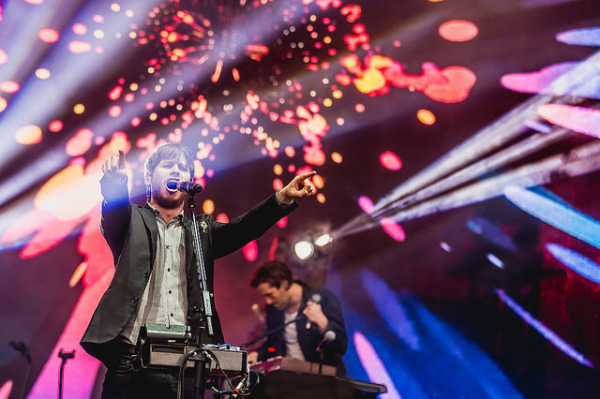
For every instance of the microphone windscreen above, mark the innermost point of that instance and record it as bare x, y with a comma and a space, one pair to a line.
316, 298
329, 336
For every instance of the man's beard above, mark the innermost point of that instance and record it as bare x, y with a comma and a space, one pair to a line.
168, 202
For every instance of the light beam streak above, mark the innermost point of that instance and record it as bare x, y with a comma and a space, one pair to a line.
391, 309
576, 262
556, 214
581, 160
545, 331
374, 366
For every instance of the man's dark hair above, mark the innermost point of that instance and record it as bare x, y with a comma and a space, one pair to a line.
272, 272
169, 152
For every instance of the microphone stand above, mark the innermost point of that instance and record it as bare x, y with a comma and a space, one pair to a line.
21, 347
206, 296
64, 356
321, 360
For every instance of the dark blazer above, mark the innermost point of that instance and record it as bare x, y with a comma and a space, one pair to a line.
131, 233
309, 338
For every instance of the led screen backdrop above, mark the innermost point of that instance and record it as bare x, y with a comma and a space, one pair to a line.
456, 149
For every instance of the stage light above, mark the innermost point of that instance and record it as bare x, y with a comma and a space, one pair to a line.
304, 249
323, 240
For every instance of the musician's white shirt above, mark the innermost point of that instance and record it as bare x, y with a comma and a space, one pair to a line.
290, 334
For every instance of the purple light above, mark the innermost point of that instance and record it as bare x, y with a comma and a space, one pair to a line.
373, 365
545, 331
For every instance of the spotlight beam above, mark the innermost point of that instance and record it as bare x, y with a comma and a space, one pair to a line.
580, 160
513, 153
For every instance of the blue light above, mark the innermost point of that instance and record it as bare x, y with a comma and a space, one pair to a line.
576, 262
557, 214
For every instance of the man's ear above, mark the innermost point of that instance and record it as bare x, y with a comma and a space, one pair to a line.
285, 285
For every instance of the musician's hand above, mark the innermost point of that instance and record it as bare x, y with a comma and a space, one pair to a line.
300, 186
115, 167
314, 313
252, 357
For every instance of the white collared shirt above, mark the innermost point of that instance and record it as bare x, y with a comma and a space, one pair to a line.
164, 300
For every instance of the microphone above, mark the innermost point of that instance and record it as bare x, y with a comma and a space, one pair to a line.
328, 337
185, 186
316, 298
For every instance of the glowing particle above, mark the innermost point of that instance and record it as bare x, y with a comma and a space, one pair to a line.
78, 274
494, 260
48, 35
372, 80
393, 229
114, 111
115, 93
360, 108
115, 7
78, 47
3, 104
9, 86
445, 246
426, 117
390, 160
3, 57
366, 204
327, 102
321, 198
576, 262
79, 109
42, 73
277, 184
318, 181
282, 222
278, 169
250, 251
80, 143
222, 218
336, 157
337, 94
28, 135
36, 2
79, 29
458, 30
99, 34
208, 207
290, 151
55, 126
339, 121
